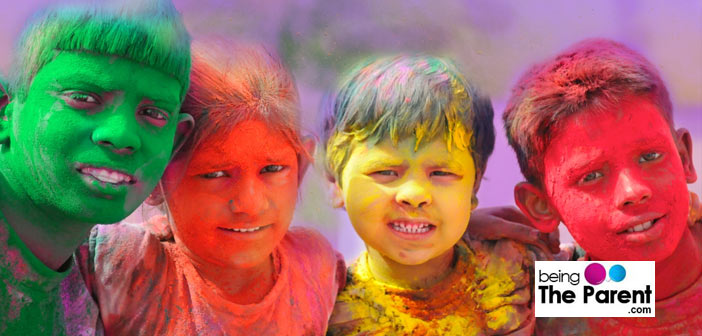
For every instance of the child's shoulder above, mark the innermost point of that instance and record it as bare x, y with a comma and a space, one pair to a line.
502, 276
310, 247
306, 240
501, 262
125, 245
501, 251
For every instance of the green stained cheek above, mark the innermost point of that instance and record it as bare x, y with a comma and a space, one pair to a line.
49, 139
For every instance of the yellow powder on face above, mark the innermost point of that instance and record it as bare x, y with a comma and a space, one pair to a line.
340, 144
488, 292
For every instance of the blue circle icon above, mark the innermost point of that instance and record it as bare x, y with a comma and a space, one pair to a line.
617, 273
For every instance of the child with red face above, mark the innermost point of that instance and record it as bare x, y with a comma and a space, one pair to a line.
594, 136
234, 266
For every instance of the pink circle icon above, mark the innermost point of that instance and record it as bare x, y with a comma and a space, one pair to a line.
595, 274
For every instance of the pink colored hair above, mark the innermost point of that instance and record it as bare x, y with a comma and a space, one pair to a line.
594, 73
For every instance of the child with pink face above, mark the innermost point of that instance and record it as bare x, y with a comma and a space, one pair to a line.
594, 136
234, 266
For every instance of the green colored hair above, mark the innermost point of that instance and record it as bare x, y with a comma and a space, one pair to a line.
148, 32
407, 96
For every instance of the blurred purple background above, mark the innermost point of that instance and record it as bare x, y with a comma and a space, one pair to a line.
493, 41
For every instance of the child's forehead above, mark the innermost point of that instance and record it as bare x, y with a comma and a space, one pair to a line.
102, 73
249, 140
631, 125
435, 151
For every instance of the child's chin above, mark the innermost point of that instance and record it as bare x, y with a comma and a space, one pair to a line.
655, 251
414, 258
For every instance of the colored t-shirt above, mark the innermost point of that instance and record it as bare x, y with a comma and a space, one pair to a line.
680, 314
488, 292
149, 287
36, 300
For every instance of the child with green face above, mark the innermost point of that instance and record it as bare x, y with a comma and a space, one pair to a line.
407, 143
89, 127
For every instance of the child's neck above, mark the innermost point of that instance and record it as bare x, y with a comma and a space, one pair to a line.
679, 271
50, 240
423, 275
239, 285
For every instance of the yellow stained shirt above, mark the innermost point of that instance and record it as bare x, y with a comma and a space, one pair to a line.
488, 292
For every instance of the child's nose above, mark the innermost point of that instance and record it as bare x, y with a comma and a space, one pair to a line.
117, 134
630, 189
248, 197
414, 194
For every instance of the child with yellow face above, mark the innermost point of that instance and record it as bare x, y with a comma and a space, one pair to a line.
405, 148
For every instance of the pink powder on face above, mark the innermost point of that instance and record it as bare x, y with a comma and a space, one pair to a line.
607, 171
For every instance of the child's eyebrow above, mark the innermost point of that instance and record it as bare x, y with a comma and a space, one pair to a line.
652, 141
98, 85
381, 163
444, 164
74, 82
160, 101
578, 162
207, 166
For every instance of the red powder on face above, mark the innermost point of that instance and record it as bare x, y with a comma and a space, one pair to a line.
610, 172
244, 180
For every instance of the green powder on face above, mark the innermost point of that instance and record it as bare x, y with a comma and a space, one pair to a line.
50, 139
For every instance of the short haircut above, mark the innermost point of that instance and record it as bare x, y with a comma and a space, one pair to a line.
232, 82
594, 73
402, 96
150, 32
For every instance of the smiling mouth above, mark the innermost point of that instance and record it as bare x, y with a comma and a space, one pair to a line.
641, 227
411, 227
245, 230
106, 175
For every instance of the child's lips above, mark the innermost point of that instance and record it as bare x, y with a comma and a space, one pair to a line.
107, 182
644, 228
412, 229
244, 230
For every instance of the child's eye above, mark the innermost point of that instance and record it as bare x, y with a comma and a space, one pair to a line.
591, 177
272, 169
214, 175
156, 116
83, 97
81, 100
441, 173
649, 157
385, 173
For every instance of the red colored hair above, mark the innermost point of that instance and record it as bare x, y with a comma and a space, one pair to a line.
231, 82
592, 73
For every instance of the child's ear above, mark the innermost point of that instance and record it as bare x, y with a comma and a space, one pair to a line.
5, 108
476, 187
536, 206
335, 193
4, 98
684, 143
156, 196
186, 123
304, 159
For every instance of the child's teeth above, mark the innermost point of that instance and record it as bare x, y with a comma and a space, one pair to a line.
410, 227
246, 230
640, 227
106, 176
